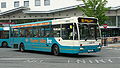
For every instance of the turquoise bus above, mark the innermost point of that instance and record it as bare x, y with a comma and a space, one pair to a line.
72, 35
4, 36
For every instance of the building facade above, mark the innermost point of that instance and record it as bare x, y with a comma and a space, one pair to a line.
36, 5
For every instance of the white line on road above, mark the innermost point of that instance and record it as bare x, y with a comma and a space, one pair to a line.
90, 61
100, 61
110, 60
68, 61
41, 61
80, 61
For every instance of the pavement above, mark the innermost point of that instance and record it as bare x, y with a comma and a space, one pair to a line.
113, 45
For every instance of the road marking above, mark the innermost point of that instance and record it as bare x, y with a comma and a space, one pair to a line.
68, 61
90, 61
80, 61
110, 60
30, 61
44, 58
41, 61
99, 60
102, 60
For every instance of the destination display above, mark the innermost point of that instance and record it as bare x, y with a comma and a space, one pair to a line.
87, 20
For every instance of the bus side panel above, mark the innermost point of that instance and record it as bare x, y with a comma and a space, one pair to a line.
69, 49
45, 44
40, 44
15, 42
37, 44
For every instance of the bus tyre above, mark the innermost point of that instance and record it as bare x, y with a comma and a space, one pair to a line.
21, 47
4, 44
55, 50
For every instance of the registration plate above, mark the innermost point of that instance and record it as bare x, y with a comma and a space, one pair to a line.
90, 50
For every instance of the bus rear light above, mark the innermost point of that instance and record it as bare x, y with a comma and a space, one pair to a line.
80, 44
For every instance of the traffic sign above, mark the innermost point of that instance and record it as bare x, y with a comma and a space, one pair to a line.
105, 26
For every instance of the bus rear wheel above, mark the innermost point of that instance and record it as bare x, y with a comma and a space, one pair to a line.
4, 44
21, 47
55, 50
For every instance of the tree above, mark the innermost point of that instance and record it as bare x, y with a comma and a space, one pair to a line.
95, 8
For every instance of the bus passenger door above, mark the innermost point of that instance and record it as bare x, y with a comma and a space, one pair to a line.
67, 42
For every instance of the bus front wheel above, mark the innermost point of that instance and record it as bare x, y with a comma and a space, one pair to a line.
21, 47
55, 50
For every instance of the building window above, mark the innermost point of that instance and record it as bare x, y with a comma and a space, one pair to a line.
24, 16
16, 4
46, 2
119, 21
37, 2
3, 4
74, 14
111, 21
13, 16
26, 3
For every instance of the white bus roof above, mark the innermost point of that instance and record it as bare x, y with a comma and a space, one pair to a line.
56, 21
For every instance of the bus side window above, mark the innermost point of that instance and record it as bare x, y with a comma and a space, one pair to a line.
47, 31
16, 32
36, 32
29, 32
67, 31
41, 30
55, 31
22, 32
4, 34
11, 33
0, 34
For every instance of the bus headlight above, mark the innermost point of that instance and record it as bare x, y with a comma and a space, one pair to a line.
81, 48
99, 47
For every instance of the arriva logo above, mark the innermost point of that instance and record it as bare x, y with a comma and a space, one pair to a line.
49, 41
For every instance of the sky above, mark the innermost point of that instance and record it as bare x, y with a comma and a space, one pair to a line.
113, 3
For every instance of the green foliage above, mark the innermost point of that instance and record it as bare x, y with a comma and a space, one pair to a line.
95, 8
